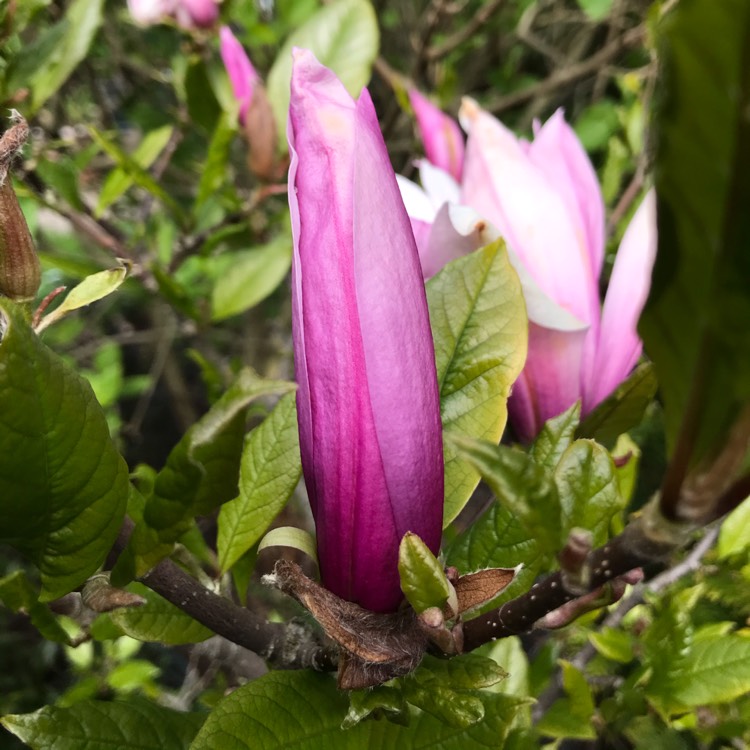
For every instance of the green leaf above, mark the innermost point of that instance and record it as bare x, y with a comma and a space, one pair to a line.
201, 471
479, 328
257, 716
270, 469
460, 710
623, 409
101, 725
716, 670
614, 644
214, 172
289, 536
63, 485
463, 672
422, 576
520, 484
251, 276
378, 700
46, 64
344, 36
498, 540
596, 10
588, 489
92, 288
555, 437
735, 531
694, 325
18, 595
119, 180
571, 716
158, 620
599, 121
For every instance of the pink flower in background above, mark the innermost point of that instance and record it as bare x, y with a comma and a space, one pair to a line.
187, 13
242, 74
544, 199
442, 138
368, 404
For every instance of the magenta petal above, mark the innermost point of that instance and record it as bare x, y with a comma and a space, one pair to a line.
368, 401
619, 345
442, 138
558, 153
242, 74
550, 382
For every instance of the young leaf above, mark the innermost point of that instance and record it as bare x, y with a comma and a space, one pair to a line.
454, 709
463, 672
377, 700
270, 469
588, 489
214, 171
479, 328
623, 409
735, 531
571, 716
344, 36
91, 289
63, 485
694, 325
106, 726
518, 483
555, 437
158, 620
422, 576
289, 536
257, 717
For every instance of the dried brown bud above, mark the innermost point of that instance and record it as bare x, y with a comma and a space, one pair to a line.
20, 273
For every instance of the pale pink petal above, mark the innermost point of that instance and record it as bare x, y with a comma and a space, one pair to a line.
192, 13
619, 345
442, 138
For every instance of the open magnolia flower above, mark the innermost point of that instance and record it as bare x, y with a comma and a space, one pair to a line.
544, 199
368, 404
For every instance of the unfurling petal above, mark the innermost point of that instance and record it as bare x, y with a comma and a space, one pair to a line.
619, 345
242, 74
370, 433
441, 136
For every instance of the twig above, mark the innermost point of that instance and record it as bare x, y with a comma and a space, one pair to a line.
565, 76
480, 18
663, 581
286, 646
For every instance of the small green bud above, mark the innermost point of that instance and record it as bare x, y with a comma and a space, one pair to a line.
20, 272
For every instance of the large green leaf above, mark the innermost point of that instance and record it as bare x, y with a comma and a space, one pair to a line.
344, 36
259, 716
695, 323
588, 489
63, 485
46, 64
479, 328
158, 620
100, 725
269, 472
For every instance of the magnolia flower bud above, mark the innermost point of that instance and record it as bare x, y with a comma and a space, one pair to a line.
20, 273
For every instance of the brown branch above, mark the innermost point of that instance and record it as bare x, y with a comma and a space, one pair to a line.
480, 18
570, 74
285, 646
648, 539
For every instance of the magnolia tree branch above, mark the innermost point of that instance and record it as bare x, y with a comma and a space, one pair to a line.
285, 646
648, 539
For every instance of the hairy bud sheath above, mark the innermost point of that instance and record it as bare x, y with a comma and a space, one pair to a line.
20, 273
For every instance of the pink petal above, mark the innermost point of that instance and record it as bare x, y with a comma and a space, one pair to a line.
200, 13
442, 138
242, 74
619, 345
503, 185
148, 12
550, 382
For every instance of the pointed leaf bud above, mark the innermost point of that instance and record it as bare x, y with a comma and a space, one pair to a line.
20, 273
